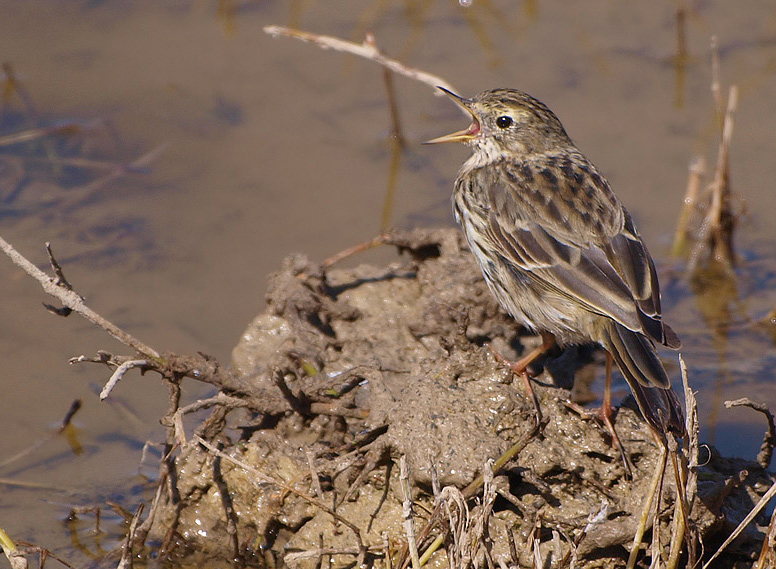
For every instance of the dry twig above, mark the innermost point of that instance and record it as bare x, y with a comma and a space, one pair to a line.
409, 522
769, 440
68, 297
767, 497
716, 230
260, 476
768, 552
367, 49
126, 552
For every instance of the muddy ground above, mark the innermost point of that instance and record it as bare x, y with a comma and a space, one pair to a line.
349, 370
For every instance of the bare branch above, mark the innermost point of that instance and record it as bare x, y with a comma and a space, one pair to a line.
73, 301
769, 440
368, 50
126, 553
118, 374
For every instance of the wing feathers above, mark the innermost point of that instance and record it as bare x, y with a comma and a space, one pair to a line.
605, 267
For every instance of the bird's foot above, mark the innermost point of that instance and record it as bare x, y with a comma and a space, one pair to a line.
520, 368
606, 414
606, 420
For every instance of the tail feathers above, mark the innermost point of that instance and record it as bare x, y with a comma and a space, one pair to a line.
637, 359
661, 408
636, 356
660, 331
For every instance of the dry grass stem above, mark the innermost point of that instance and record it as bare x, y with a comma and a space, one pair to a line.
298, 556
126, 551
714, 232
409, 522
767, 497
367, 50
468, 529
716, 82
75, 406
681, 57
397, 143
15, 557
315, 481
716, 229
649, 499
720, 214
767, 557
681, 237
692, 447
288, 488
381, 239
31, 134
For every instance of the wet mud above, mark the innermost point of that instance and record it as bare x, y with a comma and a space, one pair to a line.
349, 371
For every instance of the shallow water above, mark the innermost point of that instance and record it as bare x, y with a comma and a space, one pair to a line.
272, 146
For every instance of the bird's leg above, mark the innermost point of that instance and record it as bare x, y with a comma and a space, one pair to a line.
606, 417
520, 368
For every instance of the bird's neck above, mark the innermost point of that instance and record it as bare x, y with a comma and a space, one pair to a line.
482, 155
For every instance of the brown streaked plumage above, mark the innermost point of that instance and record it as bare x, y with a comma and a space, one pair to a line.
556, 247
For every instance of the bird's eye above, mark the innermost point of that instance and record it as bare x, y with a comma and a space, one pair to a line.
504, 122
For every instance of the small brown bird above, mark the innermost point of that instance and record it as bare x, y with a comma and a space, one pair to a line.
556, 247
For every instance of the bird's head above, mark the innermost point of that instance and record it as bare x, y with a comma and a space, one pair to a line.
507, 122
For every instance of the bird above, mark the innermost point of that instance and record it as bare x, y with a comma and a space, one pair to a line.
558, 250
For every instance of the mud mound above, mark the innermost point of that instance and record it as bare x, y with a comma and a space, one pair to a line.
348, 370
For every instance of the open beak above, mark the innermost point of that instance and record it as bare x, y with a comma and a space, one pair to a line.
465, 135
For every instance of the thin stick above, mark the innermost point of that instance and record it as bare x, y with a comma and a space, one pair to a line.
298, 556
717, 227
720, 214
367, 50
74, 408
73, 301
745, 522
768, 551
381, 239
314, 479
118, 374
513, 451
769, 440
409, 524
697, 172
287, 487
654, 484
126, 553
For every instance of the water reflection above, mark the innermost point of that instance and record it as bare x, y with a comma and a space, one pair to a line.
276, 147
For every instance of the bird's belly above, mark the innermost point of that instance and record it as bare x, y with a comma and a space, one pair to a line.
533, 304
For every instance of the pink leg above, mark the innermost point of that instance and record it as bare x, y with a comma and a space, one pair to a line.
606, 417
520, 368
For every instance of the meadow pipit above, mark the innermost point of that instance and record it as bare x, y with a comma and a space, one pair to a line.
556, 247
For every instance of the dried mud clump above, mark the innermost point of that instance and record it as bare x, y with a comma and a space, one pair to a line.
347, 371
